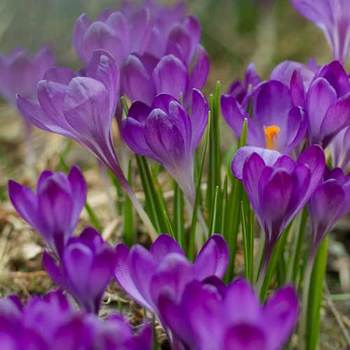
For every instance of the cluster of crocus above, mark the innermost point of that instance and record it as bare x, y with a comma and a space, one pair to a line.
82, 265
52, 323
156, 48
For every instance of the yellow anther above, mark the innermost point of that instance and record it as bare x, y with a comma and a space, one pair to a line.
271, 135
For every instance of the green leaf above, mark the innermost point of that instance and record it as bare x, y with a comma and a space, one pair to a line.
248, 238
154, 201
214, 169
179, 219
129, 224
315, 296
192, 231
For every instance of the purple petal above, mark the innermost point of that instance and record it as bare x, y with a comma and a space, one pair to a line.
269, 157
199, 117
136, 81
212, 259
163, 246
280, 315
233, 113
320, 97
170, 76
201, 68
245, 337
123, 277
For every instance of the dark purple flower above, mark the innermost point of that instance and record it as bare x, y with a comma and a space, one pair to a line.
241, 90
277, 186
85, 268
328, 103
340, 147
275, 123
20, 71
329, 203
166, 133
53, 210
144, 274
206, 318
51, 323
333, 17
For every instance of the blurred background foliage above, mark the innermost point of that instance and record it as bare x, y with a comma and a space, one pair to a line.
235, 32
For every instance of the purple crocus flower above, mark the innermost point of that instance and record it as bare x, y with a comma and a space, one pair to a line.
154, 56
79, 107
274, 123
207, 318
333, 17
20, 71
85, 268
51, 323
277, 186
166, 133
329, 203
82, 108
240, 90
144, 274
328, 103
53, 210
145, 77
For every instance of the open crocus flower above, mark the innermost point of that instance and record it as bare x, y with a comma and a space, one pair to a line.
144, 274
328, 103
277, 186
85, 268
166, 133
329, 203
53, 210
51, 323
333, 17
207, 318
274, 122
20, 72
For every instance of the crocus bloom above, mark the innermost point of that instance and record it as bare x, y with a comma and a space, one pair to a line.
20, 71
51, 323
154, 58
82, 108
144, 274
240, 90
328, 103
53, 210
85, 268
206, 318
277, 186
340, 147
166, 133
333, 17
275, 123
329, 203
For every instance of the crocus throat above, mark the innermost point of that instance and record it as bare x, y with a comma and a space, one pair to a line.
271, 134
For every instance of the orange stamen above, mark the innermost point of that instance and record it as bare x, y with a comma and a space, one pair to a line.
271, 134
